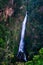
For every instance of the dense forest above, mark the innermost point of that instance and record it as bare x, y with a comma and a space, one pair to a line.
12, 13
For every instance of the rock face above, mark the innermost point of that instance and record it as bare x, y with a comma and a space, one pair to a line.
9, 7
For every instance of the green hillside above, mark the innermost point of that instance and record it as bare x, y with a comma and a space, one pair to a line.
10, 31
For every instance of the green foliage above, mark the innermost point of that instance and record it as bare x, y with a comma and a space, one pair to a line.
2, 43
10, 34
41, 51
3, 3
37, 59
29, 63
11, 29
34, 29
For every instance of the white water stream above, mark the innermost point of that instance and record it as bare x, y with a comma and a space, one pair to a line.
21, 45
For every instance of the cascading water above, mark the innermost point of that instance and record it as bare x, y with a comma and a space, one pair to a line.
21, 54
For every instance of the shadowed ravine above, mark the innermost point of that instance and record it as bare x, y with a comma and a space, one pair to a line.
21, 54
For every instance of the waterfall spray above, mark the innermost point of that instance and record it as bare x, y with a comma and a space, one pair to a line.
21, 54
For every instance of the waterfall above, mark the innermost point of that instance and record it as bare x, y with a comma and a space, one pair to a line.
21, 52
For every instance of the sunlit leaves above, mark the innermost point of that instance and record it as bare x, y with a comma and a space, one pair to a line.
41, 51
